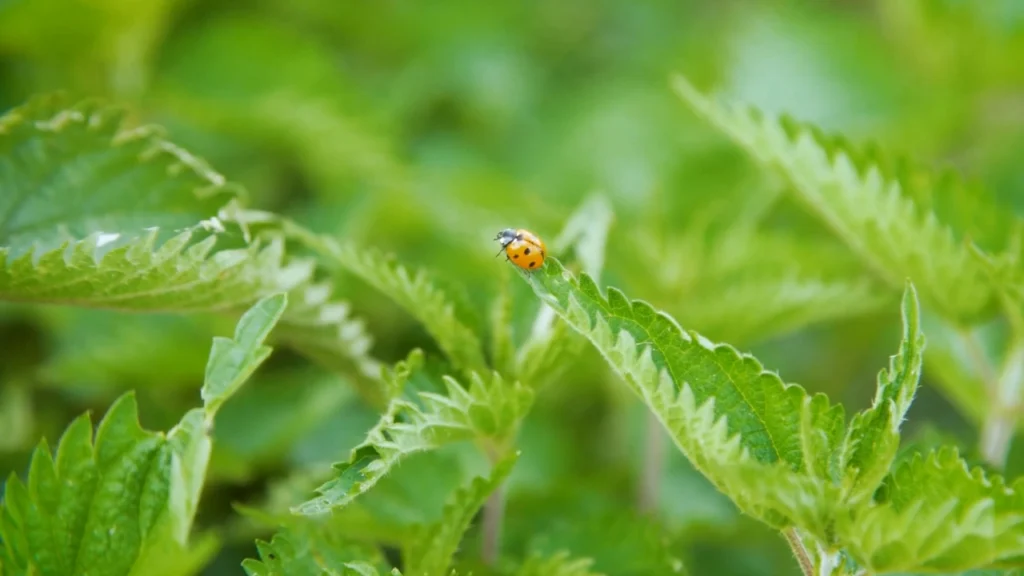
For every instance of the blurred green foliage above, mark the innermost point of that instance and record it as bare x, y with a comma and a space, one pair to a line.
420, 131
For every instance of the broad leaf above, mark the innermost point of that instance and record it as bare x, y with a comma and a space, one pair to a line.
432, 547
899, 221
934, 514
125, 503
488, 411
768, 445
93, 215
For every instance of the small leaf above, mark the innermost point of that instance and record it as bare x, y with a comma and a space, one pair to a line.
233, 361
488, 410
432, 548
901, 222
873, 437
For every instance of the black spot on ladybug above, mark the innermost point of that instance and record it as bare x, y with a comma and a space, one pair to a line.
515, 255
532, 264
527, 251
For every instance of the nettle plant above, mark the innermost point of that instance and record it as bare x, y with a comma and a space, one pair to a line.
92, 215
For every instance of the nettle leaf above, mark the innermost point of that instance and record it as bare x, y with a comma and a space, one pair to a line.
139, 276
419, 297
561, 564
586, 232
758, 307
489, 411
768, 445
124, 503
899, 221
432, 547
935, 514
326, 331
873, 437
737, 283
89, 214
313, 551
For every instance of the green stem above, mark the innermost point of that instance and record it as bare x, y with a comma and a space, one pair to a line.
796, 544
494, 516
1001, 421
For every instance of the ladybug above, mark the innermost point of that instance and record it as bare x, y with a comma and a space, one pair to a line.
522, 248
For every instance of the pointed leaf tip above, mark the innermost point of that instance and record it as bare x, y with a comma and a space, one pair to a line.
257, 322
231, 362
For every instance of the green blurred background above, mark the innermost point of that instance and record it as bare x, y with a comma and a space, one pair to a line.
423, 128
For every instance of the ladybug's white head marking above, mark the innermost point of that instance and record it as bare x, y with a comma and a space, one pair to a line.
506, 236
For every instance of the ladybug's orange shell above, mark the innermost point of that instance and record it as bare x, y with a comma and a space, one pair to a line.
526, 251
532, 238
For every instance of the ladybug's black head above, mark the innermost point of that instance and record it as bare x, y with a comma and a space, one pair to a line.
506, 236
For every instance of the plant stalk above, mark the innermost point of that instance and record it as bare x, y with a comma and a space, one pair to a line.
653, 464
803, 558
1001, 421
494, 516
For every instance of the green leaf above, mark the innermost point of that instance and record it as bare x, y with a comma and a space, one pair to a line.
125, 503
771, 447
488, 411
616, 540
757, 307
232, 361
934, 514
873, 437
586, 232
900, 222
736, 283
419, 297
433, 546
95, 216
752, 435
312, 551
121, 505
326, 331
69, 170
560, 564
